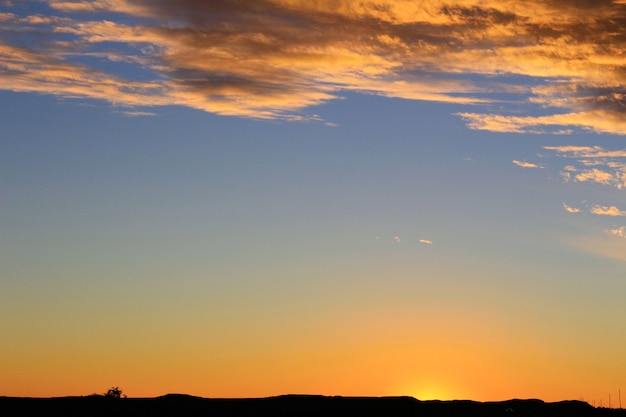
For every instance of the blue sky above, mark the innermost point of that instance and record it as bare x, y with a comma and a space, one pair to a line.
316, 188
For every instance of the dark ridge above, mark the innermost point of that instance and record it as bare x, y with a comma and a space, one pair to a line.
181, 405
179, 397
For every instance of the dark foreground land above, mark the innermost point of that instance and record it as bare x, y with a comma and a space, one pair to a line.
292, 406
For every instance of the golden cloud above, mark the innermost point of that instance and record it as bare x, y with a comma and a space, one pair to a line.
275, 58
608, 211
595, 175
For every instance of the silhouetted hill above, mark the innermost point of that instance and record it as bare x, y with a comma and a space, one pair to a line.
180, 405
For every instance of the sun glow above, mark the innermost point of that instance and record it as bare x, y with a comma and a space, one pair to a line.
431, 391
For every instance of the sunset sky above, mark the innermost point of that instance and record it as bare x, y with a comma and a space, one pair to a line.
231, 198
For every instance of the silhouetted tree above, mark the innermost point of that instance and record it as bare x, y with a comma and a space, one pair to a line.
114, 392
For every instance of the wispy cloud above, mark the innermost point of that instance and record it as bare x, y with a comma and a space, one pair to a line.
426, 241
599, 120
620, 231
138, 113
525, 164
276, 58
582, 152
597, 209
571, 209
593, 164
607, 211
611, 211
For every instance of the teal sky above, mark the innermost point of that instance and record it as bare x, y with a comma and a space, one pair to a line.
255, 211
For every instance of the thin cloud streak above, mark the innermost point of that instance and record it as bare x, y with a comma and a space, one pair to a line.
275, 58
524, 164
599, 121
138, 113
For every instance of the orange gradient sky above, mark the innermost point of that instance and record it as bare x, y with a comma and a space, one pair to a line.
255, 198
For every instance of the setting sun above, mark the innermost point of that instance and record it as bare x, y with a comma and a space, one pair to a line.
432, 392
433, 389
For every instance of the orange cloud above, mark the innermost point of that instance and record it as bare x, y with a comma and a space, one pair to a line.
275, 58
607, 211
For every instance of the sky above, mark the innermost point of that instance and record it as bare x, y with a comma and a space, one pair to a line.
253, 198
